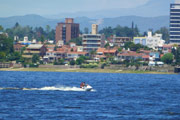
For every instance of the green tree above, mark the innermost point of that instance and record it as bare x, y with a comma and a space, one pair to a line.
47, 29
108, 31
165, 33
2, 56
35, 58
167, 58
61, 61
86, 30
6, 44
16, 56
1, 28
176, 53
72, 62
80, 60
92, 53
42, 39
119, 49
78, 41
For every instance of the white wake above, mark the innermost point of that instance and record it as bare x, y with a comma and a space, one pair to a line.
50, 88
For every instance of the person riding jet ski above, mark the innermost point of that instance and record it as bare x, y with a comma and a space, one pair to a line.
82, 85
86, 87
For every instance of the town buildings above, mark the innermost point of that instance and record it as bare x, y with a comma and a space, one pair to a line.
175, 23
66, 31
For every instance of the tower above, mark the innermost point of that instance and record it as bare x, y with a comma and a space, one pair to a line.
94, 29
175, 22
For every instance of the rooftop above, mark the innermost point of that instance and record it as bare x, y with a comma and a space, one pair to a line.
35, 46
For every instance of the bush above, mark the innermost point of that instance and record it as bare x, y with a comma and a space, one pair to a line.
31, 65
72, 62
34, 65
103, 65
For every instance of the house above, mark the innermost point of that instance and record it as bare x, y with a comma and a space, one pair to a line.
110, 52
38, 49
18, 47
167, 48
50, 47
154, 56
129, 55
52, 56
145, 57
75, 55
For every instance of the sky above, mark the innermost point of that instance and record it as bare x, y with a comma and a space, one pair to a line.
52, 7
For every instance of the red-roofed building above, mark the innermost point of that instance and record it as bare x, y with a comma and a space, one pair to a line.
167, 48
104, 51
129, 55
145, 57
18, 47
112, 52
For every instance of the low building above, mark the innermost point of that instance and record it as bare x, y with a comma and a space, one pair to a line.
75, 55
5, 65
52, 56
18, 47
167, 48
140, 40
154, 56
130, 55
38, 49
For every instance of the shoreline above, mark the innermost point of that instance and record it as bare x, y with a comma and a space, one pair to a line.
85, 70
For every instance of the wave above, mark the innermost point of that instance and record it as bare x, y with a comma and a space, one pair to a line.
50, 88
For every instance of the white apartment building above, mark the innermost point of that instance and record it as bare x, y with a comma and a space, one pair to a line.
151, 41
154, 41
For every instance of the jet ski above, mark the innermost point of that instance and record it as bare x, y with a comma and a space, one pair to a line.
86, 87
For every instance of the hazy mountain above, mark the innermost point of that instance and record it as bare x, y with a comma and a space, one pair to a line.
144, 23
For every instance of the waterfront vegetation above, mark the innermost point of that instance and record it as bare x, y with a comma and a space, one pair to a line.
92, 70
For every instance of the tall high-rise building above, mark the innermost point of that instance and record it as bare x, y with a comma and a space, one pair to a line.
175, 22
92, 41
67, 31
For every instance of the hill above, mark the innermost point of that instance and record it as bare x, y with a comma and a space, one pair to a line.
143, 23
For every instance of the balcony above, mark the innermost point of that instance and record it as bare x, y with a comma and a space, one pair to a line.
94, 43
27, 56
33, 52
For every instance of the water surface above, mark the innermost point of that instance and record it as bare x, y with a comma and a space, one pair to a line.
54, 95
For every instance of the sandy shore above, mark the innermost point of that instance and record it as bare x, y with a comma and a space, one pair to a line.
81, 70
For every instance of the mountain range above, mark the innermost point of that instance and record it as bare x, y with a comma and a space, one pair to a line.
143, 23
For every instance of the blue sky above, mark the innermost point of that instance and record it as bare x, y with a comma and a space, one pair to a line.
53, 7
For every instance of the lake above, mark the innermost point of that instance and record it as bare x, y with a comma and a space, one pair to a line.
57, 96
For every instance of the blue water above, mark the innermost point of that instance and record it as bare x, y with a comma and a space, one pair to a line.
115, 96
